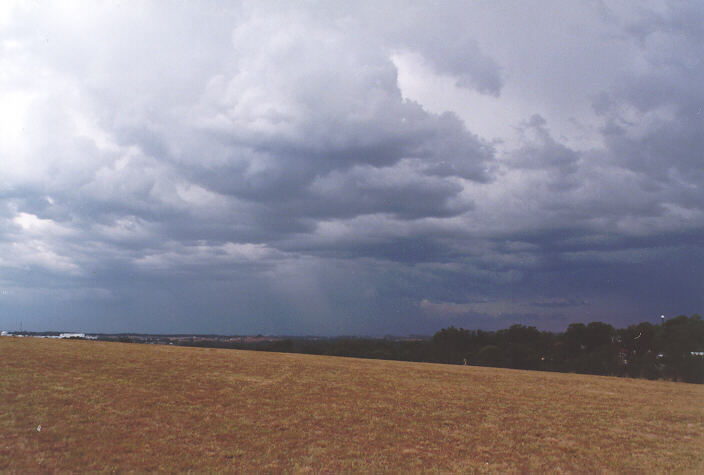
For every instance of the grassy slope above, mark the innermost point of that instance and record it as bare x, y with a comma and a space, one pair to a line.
108, 406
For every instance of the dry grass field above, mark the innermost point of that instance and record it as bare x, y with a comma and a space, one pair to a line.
113, 406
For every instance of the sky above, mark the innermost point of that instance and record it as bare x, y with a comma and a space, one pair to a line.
357, 168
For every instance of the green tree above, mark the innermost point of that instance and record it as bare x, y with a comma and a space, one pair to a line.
490, 355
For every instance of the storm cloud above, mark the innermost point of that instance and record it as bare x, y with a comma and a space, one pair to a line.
366, 168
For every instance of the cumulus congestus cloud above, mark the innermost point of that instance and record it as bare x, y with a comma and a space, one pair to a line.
363, 168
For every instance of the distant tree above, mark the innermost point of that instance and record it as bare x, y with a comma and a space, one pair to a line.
490, 355
575, 340
638, 350
691, 369
598, 334
523, 346
414, 351
282, 346
681, 336
522, 334
452, 345
522, 356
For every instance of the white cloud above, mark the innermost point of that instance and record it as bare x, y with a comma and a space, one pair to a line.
33, 225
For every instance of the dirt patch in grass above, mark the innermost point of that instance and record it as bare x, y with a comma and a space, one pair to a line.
112, 406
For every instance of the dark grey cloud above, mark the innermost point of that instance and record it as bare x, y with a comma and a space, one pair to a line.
261, 168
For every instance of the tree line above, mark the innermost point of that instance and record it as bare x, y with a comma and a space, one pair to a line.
673, 350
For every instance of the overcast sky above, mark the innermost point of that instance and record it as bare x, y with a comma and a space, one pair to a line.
349, 167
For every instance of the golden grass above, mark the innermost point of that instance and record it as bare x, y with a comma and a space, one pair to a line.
112, 406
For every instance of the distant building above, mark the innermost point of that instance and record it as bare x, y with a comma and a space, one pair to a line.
4, 333
72, 335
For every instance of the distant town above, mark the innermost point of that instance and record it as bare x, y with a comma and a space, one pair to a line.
215, 341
